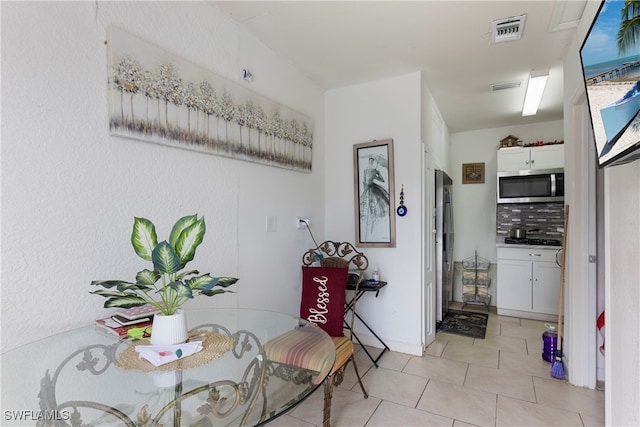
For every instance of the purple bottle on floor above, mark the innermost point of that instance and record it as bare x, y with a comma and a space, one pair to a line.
549, 343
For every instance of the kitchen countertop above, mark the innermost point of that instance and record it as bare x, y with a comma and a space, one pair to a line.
501, 244
515, 245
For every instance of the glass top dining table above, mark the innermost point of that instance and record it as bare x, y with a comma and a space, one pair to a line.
272, 362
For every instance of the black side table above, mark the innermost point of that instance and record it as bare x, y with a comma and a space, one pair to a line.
363, 288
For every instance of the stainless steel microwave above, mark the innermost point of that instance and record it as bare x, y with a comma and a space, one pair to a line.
531, 186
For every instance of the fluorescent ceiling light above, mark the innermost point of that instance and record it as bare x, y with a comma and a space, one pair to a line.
535, 89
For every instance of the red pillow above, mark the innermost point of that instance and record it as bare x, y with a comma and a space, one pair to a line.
323, 295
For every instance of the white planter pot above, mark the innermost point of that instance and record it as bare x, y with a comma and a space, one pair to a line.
169, 330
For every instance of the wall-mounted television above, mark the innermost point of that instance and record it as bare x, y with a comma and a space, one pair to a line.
610, 56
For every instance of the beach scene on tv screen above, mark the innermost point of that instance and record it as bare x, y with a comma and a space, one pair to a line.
611, 64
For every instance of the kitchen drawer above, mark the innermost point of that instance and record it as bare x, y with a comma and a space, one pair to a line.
528, 254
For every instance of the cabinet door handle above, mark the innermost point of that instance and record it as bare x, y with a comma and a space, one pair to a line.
535, 254
526, 162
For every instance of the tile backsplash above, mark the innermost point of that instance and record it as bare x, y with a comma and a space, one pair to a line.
548, 217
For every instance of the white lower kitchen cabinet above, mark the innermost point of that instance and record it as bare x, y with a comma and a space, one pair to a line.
528, 283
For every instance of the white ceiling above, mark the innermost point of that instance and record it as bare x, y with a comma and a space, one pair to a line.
340, 43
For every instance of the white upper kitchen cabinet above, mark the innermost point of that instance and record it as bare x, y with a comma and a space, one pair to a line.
523, 158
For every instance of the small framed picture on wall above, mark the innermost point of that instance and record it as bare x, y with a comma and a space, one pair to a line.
473, 173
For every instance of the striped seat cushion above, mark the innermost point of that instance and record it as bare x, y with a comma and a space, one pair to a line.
344, 350
303, 348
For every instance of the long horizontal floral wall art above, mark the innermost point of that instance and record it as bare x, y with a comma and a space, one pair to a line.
158, 97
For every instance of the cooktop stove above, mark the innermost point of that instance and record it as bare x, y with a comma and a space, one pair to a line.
537, 242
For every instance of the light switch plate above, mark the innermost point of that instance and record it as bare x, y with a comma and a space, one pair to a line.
272, 223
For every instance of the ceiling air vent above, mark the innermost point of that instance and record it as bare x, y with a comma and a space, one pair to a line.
507, 29
505, 85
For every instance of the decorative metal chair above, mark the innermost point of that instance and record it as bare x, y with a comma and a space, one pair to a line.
339, 254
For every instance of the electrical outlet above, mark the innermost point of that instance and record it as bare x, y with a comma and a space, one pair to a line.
300, 223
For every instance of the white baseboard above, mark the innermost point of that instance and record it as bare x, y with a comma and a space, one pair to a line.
528, 315
400, 347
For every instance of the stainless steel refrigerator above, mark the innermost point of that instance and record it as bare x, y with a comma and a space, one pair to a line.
444, 243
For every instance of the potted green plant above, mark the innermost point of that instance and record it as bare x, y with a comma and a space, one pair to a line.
167, 286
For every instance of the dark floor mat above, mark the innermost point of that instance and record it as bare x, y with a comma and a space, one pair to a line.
465, 323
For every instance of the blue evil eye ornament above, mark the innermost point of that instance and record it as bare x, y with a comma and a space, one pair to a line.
402, 209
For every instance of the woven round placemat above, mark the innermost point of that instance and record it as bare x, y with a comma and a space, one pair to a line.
213, 347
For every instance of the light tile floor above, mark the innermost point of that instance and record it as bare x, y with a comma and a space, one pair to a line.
499, 381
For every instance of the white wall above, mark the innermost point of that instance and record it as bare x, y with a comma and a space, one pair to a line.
435, 133
622, 227
379, 110
70, 191
581, 284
